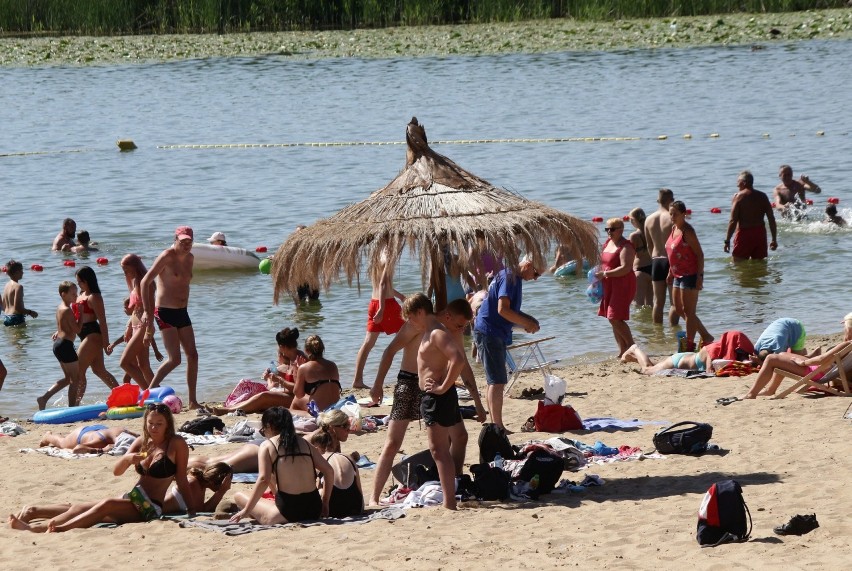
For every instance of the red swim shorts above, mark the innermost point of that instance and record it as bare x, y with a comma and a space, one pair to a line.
392, 320
750, 243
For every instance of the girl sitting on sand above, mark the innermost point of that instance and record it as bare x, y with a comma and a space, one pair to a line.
317, 380
347, 499
287, 466
159, 456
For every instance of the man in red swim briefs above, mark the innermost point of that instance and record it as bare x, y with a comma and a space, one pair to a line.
747, 211
383, 316
172, 271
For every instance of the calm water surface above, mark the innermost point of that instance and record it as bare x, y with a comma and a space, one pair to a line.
132, 202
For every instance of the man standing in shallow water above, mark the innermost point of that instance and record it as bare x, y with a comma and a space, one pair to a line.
173, 271
747, 211
790, 193
658, 227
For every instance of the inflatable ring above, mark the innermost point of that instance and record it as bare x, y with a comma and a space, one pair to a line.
122, 412
158, 394
65, 415
569, 269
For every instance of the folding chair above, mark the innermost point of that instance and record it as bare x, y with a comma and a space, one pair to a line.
530, 351
832, 368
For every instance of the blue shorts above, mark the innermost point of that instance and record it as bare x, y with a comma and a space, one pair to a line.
492, 351
686, 282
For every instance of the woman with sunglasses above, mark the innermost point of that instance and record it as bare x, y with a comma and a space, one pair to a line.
619, 282
159, 456
287, 466
686, 273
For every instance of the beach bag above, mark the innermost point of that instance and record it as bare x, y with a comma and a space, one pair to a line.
123, 395
412, 468
684, 438
556, 418
548, 467
722, 515
554, 389
203, 425
493, 441
490, 482
244, 390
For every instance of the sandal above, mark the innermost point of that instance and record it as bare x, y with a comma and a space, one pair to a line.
725, 401
529, 425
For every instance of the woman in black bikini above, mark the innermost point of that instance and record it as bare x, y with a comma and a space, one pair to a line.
347, 499
159, 457
642, 262
317, 380
287, 466
94, 334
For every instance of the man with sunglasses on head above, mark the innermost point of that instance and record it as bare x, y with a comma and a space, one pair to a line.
172, 271
492, 330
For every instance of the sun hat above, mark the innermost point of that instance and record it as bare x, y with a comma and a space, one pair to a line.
217, 236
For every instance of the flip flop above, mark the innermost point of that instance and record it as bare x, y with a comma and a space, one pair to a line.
725, 401
529, 425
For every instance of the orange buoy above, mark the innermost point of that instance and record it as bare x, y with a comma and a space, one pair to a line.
102, 261
260, 249
715, 210
69, 263
834, 200
597, 219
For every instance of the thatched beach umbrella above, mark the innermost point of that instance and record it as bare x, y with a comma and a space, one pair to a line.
432, 206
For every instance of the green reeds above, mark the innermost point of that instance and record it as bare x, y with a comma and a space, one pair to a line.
104, 17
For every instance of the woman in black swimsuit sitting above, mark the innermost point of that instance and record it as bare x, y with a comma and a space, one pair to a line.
317, 380
287, 466
346, 496
159, 456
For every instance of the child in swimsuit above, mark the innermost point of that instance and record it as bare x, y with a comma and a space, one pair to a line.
67, 328
134, 324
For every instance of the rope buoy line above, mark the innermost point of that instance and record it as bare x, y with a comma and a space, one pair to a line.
126, 148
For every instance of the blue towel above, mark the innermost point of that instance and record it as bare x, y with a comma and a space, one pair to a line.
605, 422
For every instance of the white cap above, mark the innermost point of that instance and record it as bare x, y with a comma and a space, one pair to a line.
217, 236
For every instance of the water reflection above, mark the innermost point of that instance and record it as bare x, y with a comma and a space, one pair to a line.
755, 274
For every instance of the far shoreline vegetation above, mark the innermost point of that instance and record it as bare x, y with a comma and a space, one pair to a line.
617, 27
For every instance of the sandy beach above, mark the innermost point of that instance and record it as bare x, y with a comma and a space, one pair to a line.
788, 455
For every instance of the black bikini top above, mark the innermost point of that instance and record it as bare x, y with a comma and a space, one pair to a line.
311, 388
161, 468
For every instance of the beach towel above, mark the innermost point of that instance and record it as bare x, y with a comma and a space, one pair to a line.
610, 423
122, 444
244, 527
244, 477
685, 373
58, 452
203, 439
732, 345
10, 428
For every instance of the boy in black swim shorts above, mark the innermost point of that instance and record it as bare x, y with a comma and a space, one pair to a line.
67, 328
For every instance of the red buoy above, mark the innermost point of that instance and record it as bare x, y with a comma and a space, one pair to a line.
34, 267
3, 269
260, 249
772, 204
626, 217
809, 202
715, 210
102, 261
689, 212
597, 219
69, 263
834, 200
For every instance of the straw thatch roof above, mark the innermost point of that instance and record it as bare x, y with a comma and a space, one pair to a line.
433, 202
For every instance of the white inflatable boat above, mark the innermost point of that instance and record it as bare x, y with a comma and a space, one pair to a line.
210, 257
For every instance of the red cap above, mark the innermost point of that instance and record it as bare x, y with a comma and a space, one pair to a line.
183, 232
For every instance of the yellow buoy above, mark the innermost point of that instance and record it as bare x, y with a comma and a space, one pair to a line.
126, 144
662, 137
714, 135
820, 133
687, 136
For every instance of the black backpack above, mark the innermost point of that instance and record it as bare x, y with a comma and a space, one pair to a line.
203, 425
490, 483
548, 468
689, 438
493, 441
412, 471
722, 515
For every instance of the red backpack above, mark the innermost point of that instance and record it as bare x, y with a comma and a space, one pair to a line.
722, 515
556, 418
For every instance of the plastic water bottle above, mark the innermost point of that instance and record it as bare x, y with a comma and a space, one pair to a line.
272, 368
681, 341
498, 461
534, 482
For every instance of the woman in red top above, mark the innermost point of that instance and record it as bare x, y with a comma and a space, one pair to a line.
686, 273
619, 282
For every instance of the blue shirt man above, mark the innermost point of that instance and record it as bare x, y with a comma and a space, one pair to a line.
781, 335
493, 329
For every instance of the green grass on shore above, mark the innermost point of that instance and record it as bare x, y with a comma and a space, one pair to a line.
551, 35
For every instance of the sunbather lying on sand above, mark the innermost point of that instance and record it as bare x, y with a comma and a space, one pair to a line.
242, 460
86, 439
695, 361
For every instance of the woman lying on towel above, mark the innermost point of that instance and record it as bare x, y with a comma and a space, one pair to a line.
699, 361
347, 499
287, 466
159, 456
86, 439
793, 363
216, 478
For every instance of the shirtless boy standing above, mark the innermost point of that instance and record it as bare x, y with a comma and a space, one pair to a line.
67, 328
14, 312
658, 227
440, 360
407, 392
173, 271
383, 316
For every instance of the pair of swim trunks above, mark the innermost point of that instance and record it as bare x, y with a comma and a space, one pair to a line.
442, 410
168, 317
406, 397
63, 350
392, 320
659, 269
750, 243
15, 319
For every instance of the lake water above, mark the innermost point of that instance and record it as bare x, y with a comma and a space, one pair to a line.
131, 202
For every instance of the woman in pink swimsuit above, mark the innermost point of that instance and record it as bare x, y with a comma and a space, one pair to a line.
686, 273
136, 358
619, 282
